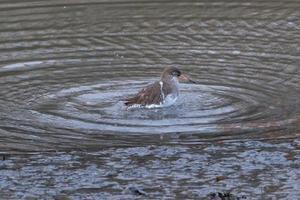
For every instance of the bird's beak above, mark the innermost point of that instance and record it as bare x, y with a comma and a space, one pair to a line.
185, 78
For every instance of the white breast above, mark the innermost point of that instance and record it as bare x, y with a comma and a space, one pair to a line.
170, 99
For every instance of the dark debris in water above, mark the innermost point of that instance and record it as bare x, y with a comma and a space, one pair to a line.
3, 157
225, 196
220, 178
134, 190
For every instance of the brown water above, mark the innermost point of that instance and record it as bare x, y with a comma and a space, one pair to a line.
66, 65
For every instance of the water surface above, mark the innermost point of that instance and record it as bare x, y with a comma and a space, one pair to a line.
66, 66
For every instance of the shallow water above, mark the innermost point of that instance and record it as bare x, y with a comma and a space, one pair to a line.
65, 68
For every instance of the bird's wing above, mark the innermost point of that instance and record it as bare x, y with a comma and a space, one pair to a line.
151, 94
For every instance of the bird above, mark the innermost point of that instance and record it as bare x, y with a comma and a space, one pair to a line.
161, 93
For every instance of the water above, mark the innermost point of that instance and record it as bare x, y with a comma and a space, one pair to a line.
66, 66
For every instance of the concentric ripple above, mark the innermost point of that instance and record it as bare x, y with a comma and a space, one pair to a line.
201, 108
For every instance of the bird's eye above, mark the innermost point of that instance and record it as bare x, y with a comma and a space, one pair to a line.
176, 74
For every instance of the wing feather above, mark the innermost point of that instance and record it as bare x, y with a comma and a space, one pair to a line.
151, 94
